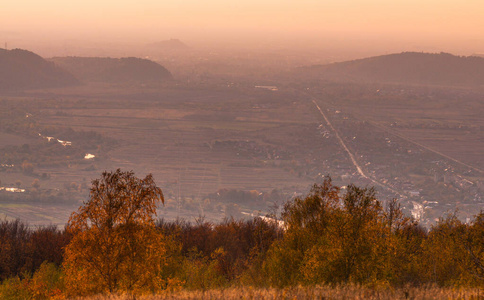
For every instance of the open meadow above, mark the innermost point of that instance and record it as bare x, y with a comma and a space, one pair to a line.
318, 292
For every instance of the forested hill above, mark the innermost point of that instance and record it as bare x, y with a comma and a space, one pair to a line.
407, 68
22, 69
113, 70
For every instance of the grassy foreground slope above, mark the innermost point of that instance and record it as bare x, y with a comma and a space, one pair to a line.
317, 292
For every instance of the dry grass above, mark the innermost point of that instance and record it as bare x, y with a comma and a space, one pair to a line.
319, 292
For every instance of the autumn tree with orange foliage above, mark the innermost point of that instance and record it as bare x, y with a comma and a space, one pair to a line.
116, 246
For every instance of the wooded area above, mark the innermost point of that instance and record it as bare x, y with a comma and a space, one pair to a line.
332, 236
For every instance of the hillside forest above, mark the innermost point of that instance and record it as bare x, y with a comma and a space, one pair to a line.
332, 236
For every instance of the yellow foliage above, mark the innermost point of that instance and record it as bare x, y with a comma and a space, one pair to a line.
116, 247
174, 284
46, 283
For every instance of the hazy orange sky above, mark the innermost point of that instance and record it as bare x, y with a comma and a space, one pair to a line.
450, 20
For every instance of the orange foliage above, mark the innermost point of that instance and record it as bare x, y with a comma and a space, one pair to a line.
115, 245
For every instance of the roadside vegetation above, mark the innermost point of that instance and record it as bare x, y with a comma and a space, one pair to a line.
334, 243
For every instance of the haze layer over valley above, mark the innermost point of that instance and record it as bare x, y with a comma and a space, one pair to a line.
238, 135
237, 107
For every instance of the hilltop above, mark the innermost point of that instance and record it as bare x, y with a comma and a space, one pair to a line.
22, 69
120, 70
407, 68
171, 44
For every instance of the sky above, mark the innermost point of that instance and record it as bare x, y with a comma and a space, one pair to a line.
446, 22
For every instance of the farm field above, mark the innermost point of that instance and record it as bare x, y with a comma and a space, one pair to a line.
199, 141
193, 142
37, 214
445, 120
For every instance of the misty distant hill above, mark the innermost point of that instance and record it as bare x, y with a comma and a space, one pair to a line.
408, 68
113, 70
22, 69
172, 44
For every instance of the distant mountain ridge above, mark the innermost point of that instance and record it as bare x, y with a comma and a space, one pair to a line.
121, 70
408, 68
22, 69
172, 44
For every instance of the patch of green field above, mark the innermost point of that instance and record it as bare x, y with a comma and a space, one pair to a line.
14, 205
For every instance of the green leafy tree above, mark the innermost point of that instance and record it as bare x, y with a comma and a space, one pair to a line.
474, 244
352, 248
445, 258
307, 221
333, 237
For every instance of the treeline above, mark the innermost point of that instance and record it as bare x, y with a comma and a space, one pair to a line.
328, 237
24, 249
